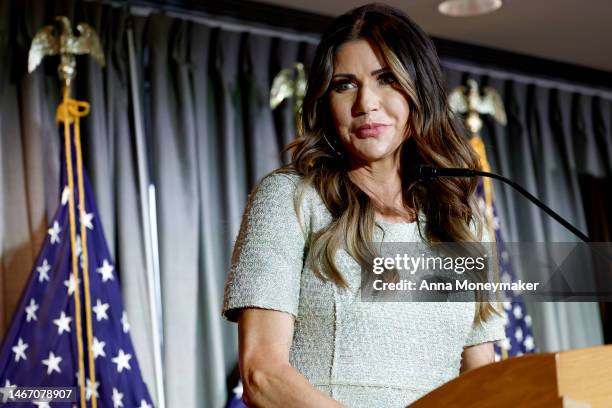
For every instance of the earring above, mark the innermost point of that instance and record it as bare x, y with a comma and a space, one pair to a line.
337, 153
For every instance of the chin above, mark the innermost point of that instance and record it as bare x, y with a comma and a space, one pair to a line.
373, 149
374, 156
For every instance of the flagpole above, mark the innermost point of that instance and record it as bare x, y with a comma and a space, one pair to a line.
68, 112
148, 220
82, 109
65, 115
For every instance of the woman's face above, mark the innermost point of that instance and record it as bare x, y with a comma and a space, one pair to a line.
369, 108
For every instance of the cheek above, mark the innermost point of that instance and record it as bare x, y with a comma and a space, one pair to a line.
340, 109
398, 107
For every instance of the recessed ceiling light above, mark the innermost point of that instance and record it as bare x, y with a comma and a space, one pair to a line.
466, 8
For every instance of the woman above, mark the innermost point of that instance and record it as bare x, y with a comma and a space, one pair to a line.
375, 106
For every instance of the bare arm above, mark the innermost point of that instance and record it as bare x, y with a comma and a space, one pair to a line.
476, 356
265, 337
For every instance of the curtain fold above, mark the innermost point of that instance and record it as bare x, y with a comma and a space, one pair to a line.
213, 136
30, 175
209, 334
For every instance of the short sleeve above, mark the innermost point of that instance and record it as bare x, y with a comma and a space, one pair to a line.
268, 255
493, 329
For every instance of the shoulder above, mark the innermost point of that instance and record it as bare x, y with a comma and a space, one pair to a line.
292, 192
279, 180
282, 183
285, 195
275, 189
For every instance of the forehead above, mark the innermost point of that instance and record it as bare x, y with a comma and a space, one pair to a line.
356, 56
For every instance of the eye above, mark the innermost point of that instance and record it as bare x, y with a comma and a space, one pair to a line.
387, 78
341, 85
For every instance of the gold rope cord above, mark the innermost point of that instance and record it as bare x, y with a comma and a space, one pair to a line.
479, 147
69, 112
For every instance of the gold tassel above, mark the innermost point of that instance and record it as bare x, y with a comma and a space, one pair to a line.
69, 113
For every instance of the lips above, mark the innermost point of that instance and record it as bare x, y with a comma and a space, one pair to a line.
370, 130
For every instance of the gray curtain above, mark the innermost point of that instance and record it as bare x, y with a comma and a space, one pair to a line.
211, 136
28, 170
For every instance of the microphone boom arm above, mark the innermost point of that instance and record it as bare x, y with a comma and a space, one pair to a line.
429, 173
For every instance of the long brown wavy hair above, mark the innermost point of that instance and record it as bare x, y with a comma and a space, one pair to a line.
436, 138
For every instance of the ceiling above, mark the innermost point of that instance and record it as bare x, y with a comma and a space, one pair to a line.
572, 31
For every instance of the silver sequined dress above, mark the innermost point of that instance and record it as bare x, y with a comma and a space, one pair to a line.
363, 354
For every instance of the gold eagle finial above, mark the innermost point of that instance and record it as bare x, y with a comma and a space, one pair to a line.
67, 45
289, 83
469, 101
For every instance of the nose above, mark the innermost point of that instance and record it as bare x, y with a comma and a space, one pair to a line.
367, 100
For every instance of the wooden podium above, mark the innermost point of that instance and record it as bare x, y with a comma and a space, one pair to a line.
580, 378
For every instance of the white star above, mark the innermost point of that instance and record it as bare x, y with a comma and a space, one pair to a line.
505, 344
529, 343
78, 377
100, 310
79, 250
31, 311
19, 350
117, 398
518, 312
69, 283
238, 390
506, 320
86, 219
42, 404
89, 390
54, 232
52, 363
63, 323
65, 195
98, 348
106, 270
122, 360
79, 246
143, 404
6, 389
528, 320
124, 322
43, 271
518, 334
507, 306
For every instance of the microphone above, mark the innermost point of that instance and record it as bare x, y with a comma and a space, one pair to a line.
428, 173
425, 174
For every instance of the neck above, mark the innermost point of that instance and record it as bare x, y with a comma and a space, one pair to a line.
382, 182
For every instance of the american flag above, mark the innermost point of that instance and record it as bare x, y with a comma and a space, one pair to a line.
519, 337
40, 347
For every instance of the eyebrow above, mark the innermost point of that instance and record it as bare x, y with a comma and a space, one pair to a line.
373, 73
